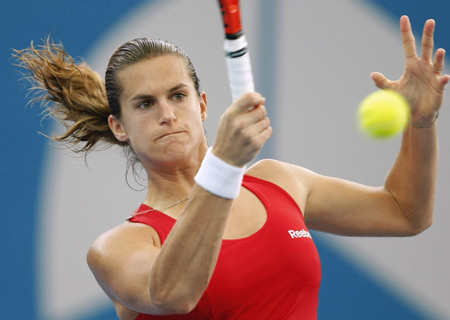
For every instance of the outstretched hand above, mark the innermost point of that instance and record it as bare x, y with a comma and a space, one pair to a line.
421, 83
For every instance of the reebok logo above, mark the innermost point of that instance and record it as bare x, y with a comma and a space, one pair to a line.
299, 234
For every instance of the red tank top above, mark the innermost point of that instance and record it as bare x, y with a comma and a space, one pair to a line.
273, 274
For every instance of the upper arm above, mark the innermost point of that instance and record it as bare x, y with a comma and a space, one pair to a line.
349, 208
339, 206
121, 261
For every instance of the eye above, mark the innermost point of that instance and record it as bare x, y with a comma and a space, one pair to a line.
179, 96
146, 104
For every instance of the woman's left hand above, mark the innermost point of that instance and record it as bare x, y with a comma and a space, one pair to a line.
421, 83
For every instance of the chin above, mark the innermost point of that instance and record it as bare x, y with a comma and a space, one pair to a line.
176, 152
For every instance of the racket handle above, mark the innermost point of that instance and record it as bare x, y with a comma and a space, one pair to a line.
239, 68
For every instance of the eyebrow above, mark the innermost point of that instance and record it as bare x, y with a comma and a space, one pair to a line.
145, 96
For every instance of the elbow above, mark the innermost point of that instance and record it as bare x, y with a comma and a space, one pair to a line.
175, 292
174, 299
424, 226
186, 308
419, 227
172, 305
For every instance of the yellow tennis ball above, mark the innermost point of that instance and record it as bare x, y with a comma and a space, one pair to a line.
383, 114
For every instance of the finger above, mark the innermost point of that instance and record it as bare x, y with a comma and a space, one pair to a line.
265, 135
248, 102
252, 117
381, 81
439, 61
409, 42
438, 66
427, 40
444, 81
260, 125
259, 112
261, 132
254, 121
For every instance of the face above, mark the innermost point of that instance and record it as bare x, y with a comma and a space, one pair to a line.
161, 112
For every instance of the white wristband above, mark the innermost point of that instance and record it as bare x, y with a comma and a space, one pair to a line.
219, 177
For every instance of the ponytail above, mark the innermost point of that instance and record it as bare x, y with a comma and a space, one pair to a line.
71, 93
76, 95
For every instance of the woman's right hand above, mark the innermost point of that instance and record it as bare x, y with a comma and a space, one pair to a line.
243, 130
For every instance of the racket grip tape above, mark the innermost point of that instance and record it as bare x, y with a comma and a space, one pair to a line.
239, 67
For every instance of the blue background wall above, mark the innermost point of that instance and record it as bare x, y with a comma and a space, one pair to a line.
80, 24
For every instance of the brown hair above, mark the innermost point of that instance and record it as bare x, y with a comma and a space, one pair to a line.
76, 95
134, 51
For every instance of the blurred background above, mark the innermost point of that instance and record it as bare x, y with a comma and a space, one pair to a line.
311, 59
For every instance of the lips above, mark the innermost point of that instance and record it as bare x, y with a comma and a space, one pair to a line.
169, 134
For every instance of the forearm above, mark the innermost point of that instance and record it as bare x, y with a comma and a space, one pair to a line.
412, 180
184, 266
187, 260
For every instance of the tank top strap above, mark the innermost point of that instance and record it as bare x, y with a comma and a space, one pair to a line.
163, 224
158, 220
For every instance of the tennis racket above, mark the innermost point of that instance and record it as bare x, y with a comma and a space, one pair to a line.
236, 50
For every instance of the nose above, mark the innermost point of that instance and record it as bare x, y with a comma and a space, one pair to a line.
167, 115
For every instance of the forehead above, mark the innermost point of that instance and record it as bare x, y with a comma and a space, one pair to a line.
153, 74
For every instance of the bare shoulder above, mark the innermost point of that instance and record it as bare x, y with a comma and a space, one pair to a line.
279, 172
293, 179
121, 260
123, 237
126, 242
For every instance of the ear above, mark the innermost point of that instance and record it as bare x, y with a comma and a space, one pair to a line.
116, 127
203, 106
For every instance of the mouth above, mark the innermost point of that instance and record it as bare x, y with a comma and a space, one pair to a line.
169, 134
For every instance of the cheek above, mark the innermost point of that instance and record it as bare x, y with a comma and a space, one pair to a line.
200, 130
138, 129
193, 122
197, 118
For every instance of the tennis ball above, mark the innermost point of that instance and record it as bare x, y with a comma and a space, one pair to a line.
383, 114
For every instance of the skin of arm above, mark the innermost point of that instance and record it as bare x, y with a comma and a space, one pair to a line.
163, 280
404, 205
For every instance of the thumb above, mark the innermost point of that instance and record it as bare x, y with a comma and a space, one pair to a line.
380, 80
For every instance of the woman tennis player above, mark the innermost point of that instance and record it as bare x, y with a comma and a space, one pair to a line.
214, 239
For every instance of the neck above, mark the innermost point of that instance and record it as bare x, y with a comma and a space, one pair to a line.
173, 181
